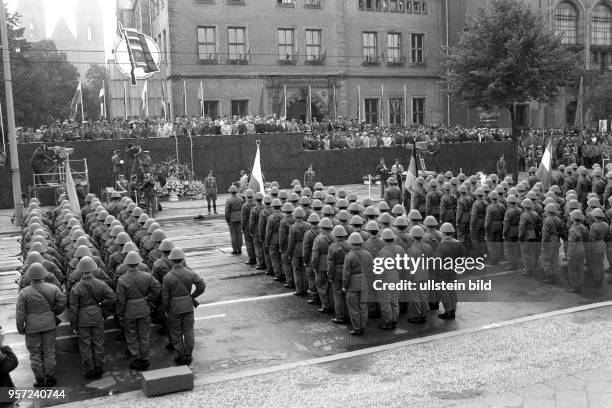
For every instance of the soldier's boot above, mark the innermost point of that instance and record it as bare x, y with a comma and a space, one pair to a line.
450, 315
50, 381
434, 305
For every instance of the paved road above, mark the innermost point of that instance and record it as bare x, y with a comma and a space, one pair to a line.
248, 321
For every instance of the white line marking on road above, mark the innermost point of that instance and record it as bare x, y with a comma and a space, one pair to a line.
251, 299
217, 316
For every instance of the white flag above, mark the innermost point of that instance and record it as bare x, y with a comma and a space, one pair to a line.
256, 183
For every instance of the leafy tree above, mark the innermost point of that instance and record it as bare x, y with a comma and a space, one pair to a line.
507, 55
95, 77
598, 100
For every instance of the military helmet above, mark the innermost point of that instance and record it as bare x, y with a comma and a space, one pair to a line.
512, 199
593, 202
318, 195
158, 235
331, 191
573, 204
370, 211
233, 189
430, 221
36, 271
277, 203
102, 215
355, 239
132, 258
326, 223
137, 212
328, 210
143, 218
462, 189
83, 241
115, 195
493, 195
39, 247
598, 213
383, 206
287, 208
420, 180
81, 251
299, 212
447, 228
532, 195
367, 202
318, 185
314, 218
398, 209
387, 234
356, 220
166, 245
351, 197
577, 215
342, 203
109, 220
415, 215
400, 221
297, 189
354, 207
305, 201
372, 226
76, 234
306, 192
259, 196
267, 199
122, 238
330, 199
551, 208
130, 207
417, 232
385, 218
341, 193
527, 203
176, 254
343, 215
339, 231
249, 193
274, 191
86, 265
283, 195
294, 198
316, 204
392, 180
128, 247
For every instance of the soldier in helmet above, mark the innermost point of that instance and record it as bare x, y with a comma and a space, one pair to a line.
88, 298
528, 237
451, 248
178, 301
599, 185
432, 235
132, 223
493, 226
271, 242
335, 262
388, 300
418, 299
477, 223
320, 250
156, 238
265, 212
233, 214
393, 195
373, 245
577, 237
357, 266
295, 251
283, 239
464, 210
258, 207
113, 207
448, 205
307, 244
117, 258
163, 265
35, 257
310, 178
552, 231
596, 248
432, 200
510, 231
37, 308
245, 212
135, 290
419, 197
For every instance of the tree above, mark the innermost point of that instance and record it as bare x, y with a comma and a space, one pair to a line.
95, 77
598, 100
507, 55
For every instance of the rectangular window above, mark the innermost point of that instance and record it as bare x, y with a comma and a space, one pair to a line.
286, 44
418, 111
408, 6
207, 43
285, 2
236, 43
211, 109
424, 7
396, 111
240, 107
313, 45
394, 48
370, 46
416, 7
371, 111
394, 5
367, 5
417, 48
312, 3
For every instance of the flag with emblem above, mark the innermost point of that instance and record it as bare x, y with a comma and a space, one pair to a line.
256, 182
102, 97
76, 100
139, 52
413, 172
545, 168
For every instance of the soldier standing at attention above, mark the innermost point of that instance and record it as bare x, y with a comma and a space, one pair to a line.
150, 195
357, 264
393, 195
308, 242
449, 247
320, 250
178, 302
260, 261
87, 298
37, 308
295, 251
233, 208
309, 178
244, 217
210, 189
335, 263
135, 290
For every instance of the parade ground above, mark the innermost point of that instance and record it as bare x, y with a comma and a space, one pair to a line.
545, 348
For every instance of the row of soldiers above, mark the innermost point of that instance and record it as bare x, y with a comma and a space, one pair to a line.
103, 260
300, 237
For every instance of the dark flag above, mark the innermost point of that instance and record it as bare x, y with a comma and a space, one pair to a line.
138, 50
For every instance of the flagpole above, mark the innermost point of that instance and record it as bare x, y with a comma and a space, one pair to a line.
335, 107
405, 108
104, 100
358, 102
382, 105
309, 107
2, 129
82, 115
185, 97
125, 102
285, 99
201, 100
147, 99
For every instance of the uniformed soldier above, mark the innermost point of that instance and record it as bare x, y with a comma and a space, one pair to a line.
113, 207
510, 231
305, 204
258, 207
163, 265
210, 189
356, 224
608, 189
37, 308
135, 290
527, 236
178, 302
599, 186
155, 253
262, 224
595, 250
552, 231
88, 298
419, 196
403, 238
418, 299
432, 200
583, 185
117, 165
448, 205
283, 239
373, 245
477, 223
432, 235
271, 241
577, 237
132, 224
388, 300
320, 250
32, 258
532, 178
233, 207
115, 259
310, 179
385, 220
494, 228
307, 244
464, 210
335, 263
393, 195
357, 266
245, 214
295, 251
451, 248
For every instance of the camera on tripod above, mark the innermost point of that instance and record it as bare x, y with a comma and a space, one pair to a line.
133, 151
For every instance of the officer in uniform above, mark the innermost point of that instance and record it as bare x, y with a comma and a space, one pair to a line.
245, 214
357, 266
577, 237
552, 230
449, 247
178, 302
335, 263
150, 195
510, 230
494, 228
210, 189
307, 244
260, 261
271, 242
320, 250
37, 308
233, 208
283, 239
87, 300
393, 195
117, 166
309, 178
464, 210
419, 197
295, 251
599, 186
135, 290
388, 300
262, 224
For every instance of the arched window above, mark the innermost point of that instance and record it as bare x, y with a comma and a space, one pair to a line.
566, 23
601, 27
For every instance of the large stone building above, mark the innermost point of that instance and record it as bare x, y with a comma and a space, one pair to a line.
81, 37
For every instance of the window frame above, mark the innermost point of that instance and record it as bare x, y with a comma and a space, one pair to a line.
246, 110
413, 49
318, 56
369, 53
214, 43
240, 57
372, 118
562, 23
286, 58
601, 26
396, 115
399, 58
216, 105
421, 113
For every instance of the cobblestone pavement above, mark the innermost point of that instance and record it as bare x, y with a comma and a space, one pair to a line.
561, 361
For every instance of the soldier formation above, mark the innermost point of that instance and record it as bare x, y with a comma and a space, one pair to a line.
321, 242
107, 260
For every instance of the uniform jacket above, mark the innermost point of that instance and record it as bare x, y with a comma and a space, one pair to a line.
308, 242
512, 219
254, 219
320, 250
432, 206
36, 314
448, 208
527, 226
160, 268
296, 237
393, 195
597, 235
335, 259
233, 209
134, 290
552, 229
357, 272
393, 275
283, 231
272, 229
417, 250
449, 248
176, 290
419, 198
464, 209
263, 221
85, 299
494, 219
576, 238
245, 214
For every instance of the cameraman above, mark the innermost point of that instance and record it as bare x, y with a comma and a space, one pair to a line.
150, 195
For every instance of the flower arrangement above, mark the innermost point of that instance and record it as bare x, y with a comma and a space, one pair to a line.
179, 179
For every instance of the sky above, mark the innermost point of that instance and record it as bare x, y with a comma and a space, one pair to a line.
56, 9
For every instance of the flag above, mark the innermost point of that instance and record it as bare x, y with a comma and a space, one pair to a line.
163, 99
261, 102
144, 99
76, 99
309, 106
382, 105
201, 98
71, 190
102, 98
185, 98
138, 50
578, 120
413, 171
256, 182
545, 168
284, 101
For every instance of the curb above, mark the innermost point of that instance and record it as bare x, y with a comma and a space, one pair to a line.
346, 355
